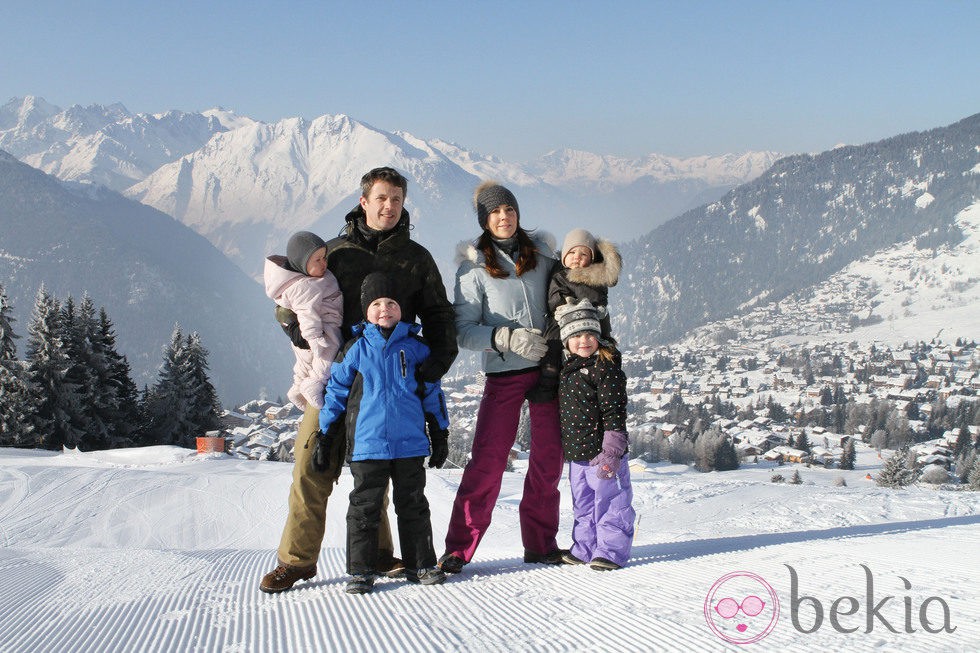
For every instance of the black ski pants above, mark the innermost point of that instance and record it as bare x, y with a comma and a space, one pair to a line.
407, 476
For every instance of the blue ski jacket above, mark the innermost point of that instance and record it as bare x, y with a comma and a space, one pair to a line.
385, 407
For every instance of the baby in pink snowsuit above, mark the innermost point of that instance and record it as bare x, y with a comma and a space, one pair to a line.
301, 282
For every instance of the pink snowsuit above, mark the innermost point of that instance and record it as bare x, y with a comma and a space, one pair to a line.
319, 307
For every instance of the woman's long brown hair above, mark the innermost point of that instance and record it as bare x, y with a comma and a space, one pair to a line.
527, 258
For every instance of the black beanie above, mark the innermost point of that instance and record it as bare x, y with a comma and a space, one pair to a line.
377, 284
300, 248
489, 195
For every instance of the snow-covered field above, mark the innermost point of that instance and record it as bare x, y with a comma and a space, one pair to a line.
159, 549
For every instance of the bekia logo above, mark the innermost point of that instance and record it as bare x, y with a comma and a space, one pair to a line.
741, 608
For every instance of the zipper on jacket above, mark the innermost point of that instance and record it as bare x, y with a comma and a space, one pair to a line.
404, 364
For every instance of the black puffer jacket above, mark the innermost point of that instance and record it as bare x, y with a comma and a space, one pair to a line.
422, 295
592, 282
592, 400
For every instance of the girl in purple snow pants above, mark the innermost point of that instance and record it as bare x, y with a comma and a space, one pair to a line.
592, 399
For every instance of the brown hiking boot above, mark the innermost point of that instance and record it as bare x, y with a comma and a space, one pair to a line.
390, 566
283, 577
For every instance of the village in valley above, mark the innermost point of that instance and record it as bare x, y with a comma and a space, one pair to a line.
759, 397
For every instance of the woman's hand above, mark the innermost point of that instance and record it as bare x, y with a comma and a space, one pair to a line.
526, 343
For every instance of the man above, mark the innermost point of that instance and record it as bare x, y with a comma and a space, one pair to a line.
375, 239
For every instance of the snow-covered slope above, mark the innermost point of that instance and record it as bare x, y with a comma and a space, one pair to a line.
917, 290
157, 549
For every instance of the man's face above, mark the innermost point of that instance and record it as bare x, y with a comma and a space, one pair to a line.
383, 206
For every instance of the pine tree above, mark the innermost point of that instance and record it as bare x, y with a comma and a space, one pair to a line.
973, 479
85, 374
848, 456
802, 442
205, 409
126, 414
47, 365
8, 348
964, 464
168, 402
795, 479
726, 456
17, 410
898, 470
183, 405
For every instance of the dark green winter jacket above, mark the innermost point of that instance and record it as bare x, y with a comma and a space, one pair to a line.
422, 295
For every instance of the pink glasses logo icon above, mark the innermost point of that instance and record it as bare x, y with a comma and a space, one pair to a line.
751, 606
758, 615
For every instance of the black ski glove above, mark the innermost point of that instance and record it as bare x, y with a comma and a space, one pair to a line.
439, 438
320, 460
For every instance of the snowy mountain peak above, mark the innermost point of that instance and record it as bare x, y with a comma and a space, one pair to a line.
568, 166
25, 112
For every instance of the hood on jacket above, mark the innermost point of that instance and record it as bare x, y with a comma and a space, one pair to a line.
277, 275
604, 271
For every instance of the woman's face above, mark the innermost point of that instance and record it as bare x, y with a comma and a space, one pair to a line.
502, 222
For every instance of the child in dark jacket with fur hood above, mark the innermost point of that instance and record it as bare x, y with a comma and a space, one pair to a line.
589, 267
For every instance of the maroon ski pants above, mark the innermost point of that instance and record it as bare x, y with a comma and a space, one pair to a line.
496, 431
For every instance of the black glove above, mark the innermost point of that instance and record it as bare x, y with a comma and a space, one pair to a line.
290, 324
546, 390
547, 387
440, 449
320, 460
439, 438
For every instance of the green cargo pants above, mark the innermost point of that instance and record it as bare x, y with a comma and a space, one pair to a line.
306, 521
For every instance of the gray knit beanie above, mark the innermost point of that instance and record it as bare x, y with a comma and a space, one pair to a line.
489, 195
575, 318
575, 238
300, 248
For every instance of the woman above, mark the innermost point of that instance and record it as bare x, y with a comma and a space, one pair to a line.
501, 304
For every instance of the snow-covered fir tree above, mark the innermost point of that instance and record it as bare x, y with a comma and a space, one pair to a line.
900, 470
183, 404
17, 421
123, 396
47, 365
715, 451
79, 381
973, 478
204, 405
848, 455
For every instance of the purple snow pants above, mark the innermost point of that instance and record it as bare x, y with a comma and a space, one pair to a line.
496, 431
604, 515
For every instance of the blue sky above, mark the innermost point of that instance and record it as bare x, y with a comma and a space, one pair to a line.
518, 79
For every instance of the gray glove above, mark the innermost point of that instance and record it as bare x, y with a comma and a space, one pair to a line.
526, 343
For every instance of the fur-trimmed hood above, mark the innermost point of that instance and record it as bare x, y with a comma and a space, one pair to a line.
604, 271
466, 250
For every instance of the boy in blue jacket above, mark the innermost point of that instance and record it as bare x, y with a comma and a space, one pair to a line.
387, 409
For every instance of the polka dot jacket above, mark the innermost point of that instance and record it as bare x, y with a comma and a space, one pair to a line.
592, 399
